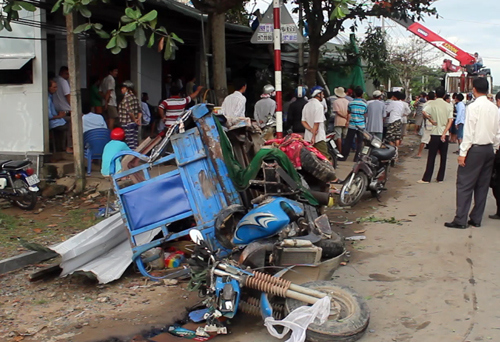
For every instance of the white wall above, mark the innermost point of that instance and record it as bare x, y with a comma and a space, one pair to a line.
151, 72
23, 108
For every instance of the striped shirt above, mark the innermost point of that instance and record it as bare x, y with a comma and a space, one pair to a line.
357, 108
173, 108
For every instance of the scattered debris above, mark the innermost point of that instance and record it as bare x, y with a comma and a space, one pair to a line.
374, 219
355, 238
359, 231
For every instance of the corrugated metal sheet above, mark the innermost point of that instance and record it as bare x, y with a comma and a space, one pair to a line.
103, 250
13, 63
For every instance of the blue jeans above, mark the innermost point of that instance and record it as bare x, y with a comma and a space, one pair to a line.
477, 66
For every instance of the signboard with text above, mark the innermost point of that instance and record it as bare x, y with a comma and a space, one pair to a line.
289, 31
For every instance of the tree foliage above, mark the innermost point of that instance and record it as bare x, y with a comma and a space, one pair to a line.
375, 52
327, 18
134, 24
409, 57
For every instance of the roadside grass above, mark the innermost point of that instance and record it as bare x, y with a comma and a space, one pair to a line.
17, 229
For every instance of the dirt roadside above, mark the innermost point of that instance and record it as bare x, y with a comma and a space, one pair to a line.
76, 309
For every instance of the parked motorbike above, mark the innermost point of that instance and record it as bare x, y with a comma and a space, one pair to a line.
332, 148
18, 183
370, 172
228, 288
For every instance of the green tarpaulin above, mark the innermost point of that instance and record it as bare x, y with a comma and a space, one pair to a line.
241, 176
354, 79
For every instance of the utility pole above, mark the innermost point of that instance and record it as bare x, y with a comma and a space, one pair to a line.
301, 47
76, 118
277, 67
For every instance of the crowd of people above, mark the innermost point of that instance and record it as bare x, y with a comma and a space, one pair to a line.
104, 109
440, 119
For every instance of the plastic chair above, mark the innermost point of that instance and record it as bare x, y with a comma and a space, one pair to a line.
94, 142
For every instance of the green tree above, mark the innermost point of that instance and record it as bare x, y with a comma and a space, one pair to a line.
216, 10
327, 18
135, 24
375, 53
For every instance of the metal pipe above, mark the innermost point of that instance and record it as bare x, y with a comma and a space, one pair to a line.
302, 297
277, 68
307, 291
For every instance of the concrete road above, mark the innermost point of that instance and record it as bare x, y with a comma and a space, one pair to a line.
423, 282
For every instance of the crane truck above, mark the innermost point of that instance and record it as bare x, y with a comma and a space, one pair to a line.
458, 78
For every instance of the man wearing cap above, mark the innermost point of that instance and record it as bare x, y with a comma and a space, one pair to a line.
313, 120
339, 108
265, 107
375, 115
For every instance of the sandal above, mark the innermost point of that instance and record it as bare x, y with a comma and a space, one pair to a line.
338, 181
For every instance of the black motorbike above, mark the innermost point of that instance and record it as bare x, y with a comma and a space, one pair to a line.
19, 183
371, 171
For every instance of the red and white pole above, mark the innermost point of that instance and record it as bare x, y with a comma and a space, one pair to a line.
277, 68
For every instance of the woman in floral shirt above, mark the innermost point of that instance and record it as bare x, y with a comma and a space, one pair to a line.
130, 114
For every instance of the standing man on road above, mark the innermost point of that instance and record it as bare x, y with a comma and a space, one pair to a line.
441, 113
108, 92
294, 119
265, 107
375, 115
313, 120
395, 110
495, 177
340, 109
460, 120
357, 110
476, 159
233, 105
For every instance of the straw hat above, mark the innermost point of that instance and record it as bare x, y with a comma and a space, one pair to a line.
339, 92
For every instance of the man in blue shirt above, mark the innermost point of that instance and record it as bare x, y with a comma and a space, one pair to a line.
357, 111
91, 120
460, 120
57, 123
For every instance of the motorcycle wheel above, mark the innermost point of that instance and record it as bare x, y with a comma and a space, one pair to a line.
331, 248
353, 189
348, 326
28, 201
321, 169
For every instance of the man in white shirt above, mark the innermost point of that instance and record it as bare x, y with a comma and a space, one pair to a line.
495, 177
109, 96
234, 104
91, 120
313, 120
62, 97
265, 107
476, 159
441, 113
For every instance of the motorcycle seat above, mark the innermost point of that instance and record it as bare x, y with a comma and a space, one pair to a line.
3, 162
384, 153
15, 165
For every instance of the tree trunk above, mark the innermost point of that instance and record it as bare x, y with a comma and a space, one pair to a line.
312, 66
218, 34
76, 118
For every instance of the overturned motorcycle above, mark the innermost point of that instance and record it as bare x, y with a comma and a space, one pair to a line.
337, 312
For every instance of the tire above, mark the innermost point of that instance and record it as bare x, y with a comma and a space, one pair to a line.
331, 247
353, 320
357, 186
320, 169
28, 201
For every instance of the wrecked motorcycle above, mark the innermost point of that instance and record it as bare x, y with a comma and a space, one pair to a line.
370, 172
342, 315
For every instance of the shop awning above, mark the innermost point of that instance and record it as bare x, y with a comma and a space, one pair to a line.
13, 63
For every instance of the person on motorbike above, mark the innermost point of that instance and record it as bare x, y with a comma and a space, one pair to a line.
266, 106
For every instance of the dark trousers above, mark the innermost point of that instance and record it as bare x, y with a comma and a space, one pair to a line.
474, 178
496, 193
349, 139
435, 145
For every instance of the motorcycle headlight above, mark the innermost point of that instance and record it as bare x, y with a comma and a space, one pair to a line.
376, 142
